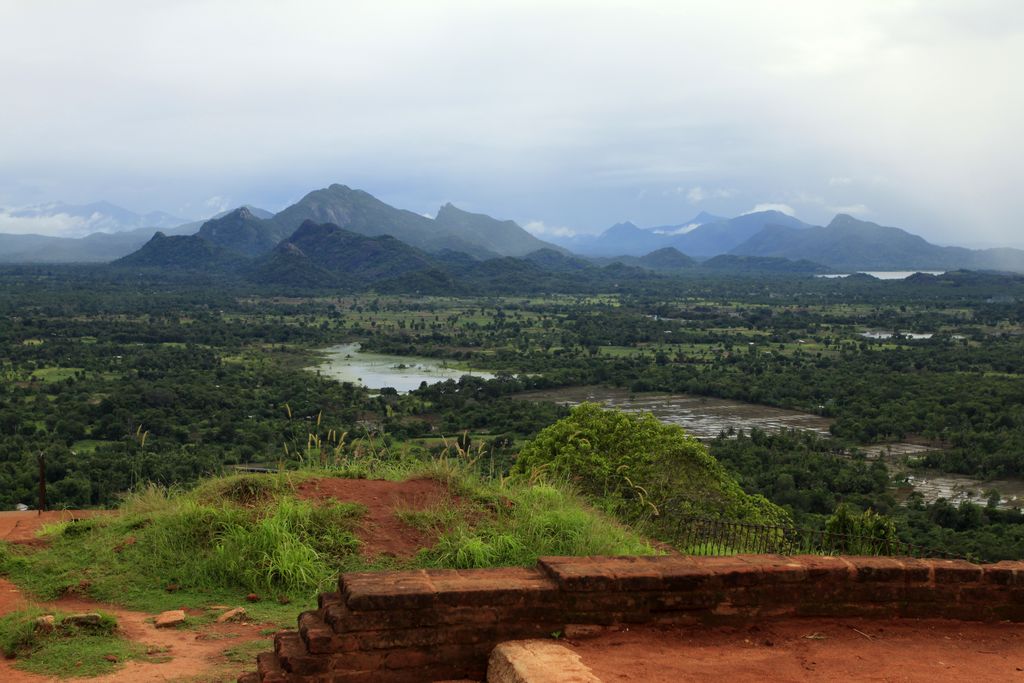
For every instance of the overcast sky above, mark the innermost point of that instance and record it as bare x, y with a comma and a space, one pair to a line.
561, 115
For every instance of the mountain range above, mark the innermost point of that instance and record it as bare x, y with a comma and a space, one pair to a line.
262, 244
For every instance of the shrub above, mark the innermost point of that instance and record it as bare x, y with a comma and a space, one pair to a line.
640, 469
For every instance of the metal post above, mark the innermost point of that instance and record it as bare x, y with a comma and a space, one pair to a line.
41, 457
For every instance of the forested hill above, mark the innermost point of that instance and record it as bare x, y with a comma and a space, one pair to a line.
851, 244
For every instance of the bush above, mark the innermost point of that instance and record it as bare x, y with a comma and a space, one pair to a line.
640, 469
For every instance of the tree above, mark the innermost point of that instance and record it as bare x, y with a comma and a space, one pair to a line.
634, 466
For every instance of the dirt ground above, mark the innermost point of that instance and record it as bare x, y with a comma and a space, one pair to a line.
903, 651
21, 527
381, 532
197, 655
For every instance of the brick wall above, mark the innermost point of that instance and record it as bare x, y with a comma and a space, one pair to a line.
431, 625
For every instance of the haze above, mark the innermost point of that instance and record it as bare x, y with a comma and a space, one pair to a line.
565, 116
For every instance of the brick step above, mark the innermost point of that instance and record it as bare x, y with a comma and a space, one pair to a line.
251, 677
295, 658
268, 669
325, 599
316, 634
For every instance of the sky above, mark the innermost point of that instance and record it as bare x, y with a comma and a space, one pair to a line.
564, 116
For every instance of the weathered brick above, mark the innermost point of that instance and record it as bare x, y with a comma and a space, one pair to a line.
878, 569
955, 571
1004, 573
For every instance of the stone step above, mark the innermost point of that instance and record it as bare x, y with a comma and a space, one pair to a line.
268, 668
325, 599
295, 658
317, 635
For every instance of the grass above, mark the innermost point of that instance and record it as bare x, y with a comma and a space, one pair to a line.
243, 534
68, 650
54, 374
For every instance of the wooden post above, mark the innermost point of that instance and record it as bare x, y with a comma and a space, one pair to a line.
42, 481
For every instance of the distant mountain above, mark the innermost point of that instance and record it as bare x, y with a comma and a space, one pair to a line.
501, 237
760, 264
358, 211
721, 237
180, 252
700, 219
76, 220
848, 244
702, 236
242, 232
334, 256
99, 247
666, 259
557, 261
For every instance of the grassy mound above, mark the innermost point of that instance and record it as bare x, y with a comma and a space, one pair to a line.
250, 534
65, 648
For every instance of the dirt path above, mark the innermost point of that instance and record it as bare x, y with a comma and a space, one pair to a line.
380, 530
190, 654
21, 527
797, 650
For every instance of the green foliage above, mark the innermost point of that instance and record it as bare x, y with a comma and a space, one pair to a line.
638, 468
527, 522
867, 533
66, 650
198, 545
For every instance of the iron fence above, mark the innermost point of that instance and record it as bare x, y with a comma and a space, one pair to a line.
707, 536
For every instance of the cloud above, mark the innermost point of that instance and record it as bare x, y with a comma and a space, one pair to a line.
840, 181
53, 225
538, 228
698, 194
852, 209
781, 208
217, 204
681, 230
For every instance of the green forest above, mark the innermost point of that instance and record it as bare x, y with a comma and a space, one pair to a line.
117, 379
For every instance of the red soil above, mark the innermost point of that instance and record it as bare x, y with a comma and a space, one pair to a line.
380, 530
21, 527
189, 653
811, 650
199, 654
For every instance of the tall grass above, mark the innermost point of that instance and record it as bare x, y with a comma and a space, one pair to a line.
250, 533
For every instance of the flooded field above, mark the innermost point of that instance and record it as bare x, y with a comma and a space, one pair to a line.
957, 488
701, 416
347, 363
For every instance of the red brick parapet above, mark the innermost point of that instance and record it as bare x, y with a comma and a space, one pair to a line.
429, 625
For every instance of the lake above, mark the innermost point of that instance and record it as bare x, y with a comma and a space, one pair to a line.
348, 363
701, 416
886, 274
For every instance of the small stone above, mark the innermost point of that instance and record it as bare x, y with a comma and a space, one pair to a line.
172, 587
110, 658
583, 630
283, 599
45, 623
237, 614
252, 597
170, 619
79, 620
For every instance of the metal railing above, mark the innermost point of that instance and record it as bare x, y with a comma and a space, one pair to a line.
707, 536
